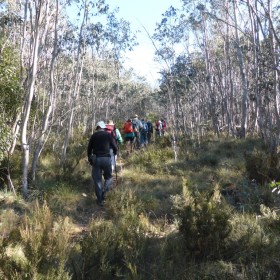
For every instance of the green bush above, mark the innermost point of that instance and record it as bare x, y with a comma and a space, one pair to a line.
114, 248
204, 225
152, 159
209, 160
262, 166
37, 249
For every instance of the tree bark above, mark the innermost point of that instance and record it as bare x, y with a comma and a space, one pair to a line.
243, 77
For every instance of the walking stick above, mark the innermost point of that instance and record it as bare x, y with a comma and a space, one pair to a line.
116, 171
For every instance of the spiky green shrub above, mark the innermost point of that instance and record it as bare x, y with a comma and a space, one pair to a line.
204, 225
153, 160
38, 249
114, 248
123, 204
253, 244
262, 166
61, 198
209, 160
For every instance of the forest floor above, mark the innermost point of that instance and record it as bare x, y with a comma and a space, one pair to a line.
86, 209
220, 181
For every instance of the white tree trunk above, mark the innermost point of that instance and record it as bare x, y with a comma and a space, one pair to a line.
45, 126
77, 78
243, 77
30, 87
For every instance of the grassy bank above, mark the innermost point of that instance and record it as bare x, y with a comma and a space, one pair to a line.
210, 215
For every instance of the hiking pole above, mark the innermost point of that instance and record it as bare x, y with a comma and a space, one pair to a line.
116, 171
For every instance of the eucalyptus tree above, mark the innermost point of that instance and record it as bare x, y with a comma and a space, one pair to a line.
121, 38
10, 101
36, 28
168, 34
11, 90
250, 44
97, 51
264, 17
49, 92
242, 73
81, 49
178, 78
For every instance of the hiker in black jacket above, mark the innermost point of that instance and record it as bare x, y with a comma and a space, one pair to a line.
99, 157
150, 130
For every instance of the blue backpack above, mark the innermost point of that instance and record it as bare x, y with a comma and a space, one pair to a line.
145, 126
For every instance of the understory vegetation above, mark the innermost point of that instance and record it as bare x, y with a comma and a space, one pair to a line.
210, 215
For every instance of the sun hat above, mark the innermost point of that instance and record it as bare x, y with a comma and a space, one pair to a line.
101, 124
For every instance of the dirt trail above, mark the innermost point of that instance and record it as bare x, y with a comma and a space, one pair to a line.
87, 210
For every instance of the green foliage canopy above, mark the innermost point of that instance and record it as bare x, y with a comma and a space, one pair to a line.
10, 96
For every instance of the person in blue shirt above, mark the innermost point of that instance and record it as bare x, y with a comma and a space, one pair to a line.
144, 134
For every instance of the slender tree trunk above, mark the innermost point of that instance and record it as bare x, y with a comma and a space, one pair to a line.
77, 80
29, 97
243, 77
15, 131
209, 79
45, 126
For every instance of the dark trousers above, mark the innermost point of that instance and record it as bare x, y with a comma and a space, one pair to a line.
102, 165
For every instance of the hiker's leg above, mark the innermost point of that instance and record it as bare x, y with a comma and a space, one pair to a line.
131, 143
141, 140
145, 139
127, 145
97, 179
107, 173
113, 160
157, 133
138, 140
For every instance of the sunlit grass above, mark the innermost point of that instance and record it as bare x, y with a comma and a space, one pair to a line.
197, 218
64, 198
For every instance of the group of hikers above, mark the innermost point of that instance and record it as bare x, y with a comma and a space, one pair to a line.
103, 147
139, 132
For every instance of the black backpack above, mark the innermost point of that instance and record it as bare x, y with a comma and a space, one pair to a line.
150, 127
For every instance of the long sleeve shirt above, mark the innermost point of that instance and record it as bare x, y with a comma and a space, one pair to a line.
100, 143
119, 136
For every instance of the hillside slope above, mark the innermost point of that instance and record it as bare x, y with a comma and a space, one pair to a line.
202, 217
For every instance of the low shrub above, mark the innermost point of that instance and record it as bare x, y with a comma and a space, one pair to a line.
209, 160
38, 248
114, 248
262, 166
204, 226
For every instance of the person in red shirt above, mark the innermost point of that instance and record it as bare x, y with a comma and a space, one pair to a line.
128, 135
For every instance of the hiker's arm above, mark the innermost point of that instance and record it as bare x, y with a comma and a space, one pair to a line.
89, 150
113, 144
119, 136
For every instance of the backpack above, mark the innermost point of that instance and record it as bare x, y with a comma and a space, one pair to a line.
135, 125
145, 127
128, 127
111, 129
150, 127
158, 125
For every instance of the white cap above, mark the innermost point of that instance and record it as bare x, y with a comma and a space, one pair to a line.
101, 124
